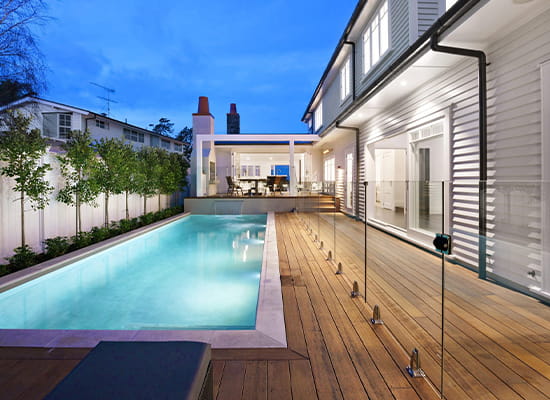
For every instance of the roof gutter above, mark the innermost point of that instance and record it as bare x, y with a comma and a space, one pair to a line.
482, 94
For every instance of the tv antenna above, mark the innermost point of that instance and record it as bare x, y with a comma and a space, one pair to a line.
107, 97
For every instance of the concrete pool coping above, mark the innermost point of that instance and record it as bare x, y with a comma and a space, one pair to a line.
270, 325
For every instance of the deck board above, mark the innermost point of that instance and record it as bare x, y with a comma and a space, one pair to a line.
497, 344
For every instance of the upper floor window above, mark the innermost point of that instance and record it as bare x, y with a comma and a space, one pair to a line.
154, 141
100, 124
165, 144
178, 147
345, 79
134, 136
376, 38
318, 117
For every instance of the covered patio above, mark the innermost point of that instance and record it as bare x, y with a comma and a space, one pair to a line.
254, 164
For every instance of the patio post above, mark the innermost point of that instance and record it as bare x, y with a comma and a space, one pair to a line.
292, 182
198, 170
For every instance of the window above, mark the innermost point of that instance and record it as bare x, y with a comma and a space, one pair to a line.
250, 170
376, 39
100, 124
64, 126
345, 79
154, 141
134, 136
178, 147
165, 144
329, 170
318, 117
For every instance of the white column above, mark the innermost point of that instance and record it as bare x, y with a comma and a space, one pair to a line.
292, 169
199, 168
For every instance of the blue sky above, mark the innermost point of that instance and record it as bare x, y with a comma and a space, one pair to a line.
159, 56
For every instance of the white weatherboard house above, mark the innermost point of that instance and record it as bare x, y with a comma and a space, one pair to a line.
420, 92
55, 121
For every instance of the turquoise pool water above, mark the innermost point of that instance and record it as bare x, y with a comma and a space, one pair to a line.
200, 272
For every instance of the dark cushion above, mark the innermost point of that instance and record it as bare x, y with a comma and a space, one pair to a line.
138, 370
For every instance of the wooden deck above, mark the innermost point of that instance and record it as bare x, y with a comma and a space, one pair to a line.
497, 344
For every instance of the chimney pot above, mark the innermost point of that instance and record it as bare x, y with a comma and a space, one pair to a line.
233, 120
204, 108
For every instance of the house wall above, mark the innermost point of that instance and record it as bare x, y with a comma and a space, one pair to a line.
515, 158
403, 14
58, 219
514, 142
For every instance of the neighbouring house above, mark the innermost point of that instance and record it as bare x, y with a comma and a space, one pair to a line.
55, 121
442, 108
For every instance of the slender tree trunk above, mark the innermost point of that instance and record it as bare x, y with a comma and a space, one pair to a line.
106, 210
159, 201
22, 218
127, 213
78, 215
144, 205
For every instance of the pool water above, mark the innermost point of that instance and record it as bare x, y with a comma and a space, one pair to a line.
199, 272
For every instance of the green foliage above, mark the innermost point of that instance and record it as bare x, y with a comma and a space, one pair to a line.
164, 127
147, 219
101, 233
186, 136
126, 225
12, 90
80, 240
22, 149
78, 165
24, 257
112, 171
57, 246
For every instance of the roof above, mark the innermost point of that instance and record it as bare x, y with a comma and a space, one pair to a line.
92, 114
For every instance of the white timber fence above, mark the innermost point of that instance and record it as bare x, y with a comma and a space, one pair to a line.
59, 219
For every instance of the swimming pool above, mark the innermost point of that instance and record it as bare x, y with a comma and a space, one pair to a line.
199, 272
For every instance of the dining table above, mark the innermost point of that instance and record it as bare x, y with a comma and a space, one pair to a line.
255, 181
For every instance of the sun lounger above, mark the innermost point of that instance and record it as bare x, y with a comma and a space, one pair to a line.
140, 370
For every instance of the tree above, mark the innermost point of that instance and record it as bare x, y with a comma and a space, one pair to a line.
186, 136
147, 173
164, 127
11, 90
78, 165
129, 175
112, 169
22, 149
20, 58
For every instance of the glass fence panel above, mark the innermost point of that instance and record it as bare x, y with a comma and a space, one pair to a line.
475, 321
497, 315
389, 201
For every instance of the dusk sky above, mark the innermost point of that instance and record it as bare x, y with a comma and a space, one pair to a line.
160, 56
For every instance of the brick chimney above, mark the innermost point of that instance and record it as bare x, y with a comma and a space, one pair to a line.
233, 120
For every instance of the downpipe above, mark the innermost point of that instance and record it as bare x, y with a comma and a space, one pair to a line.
482, 87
